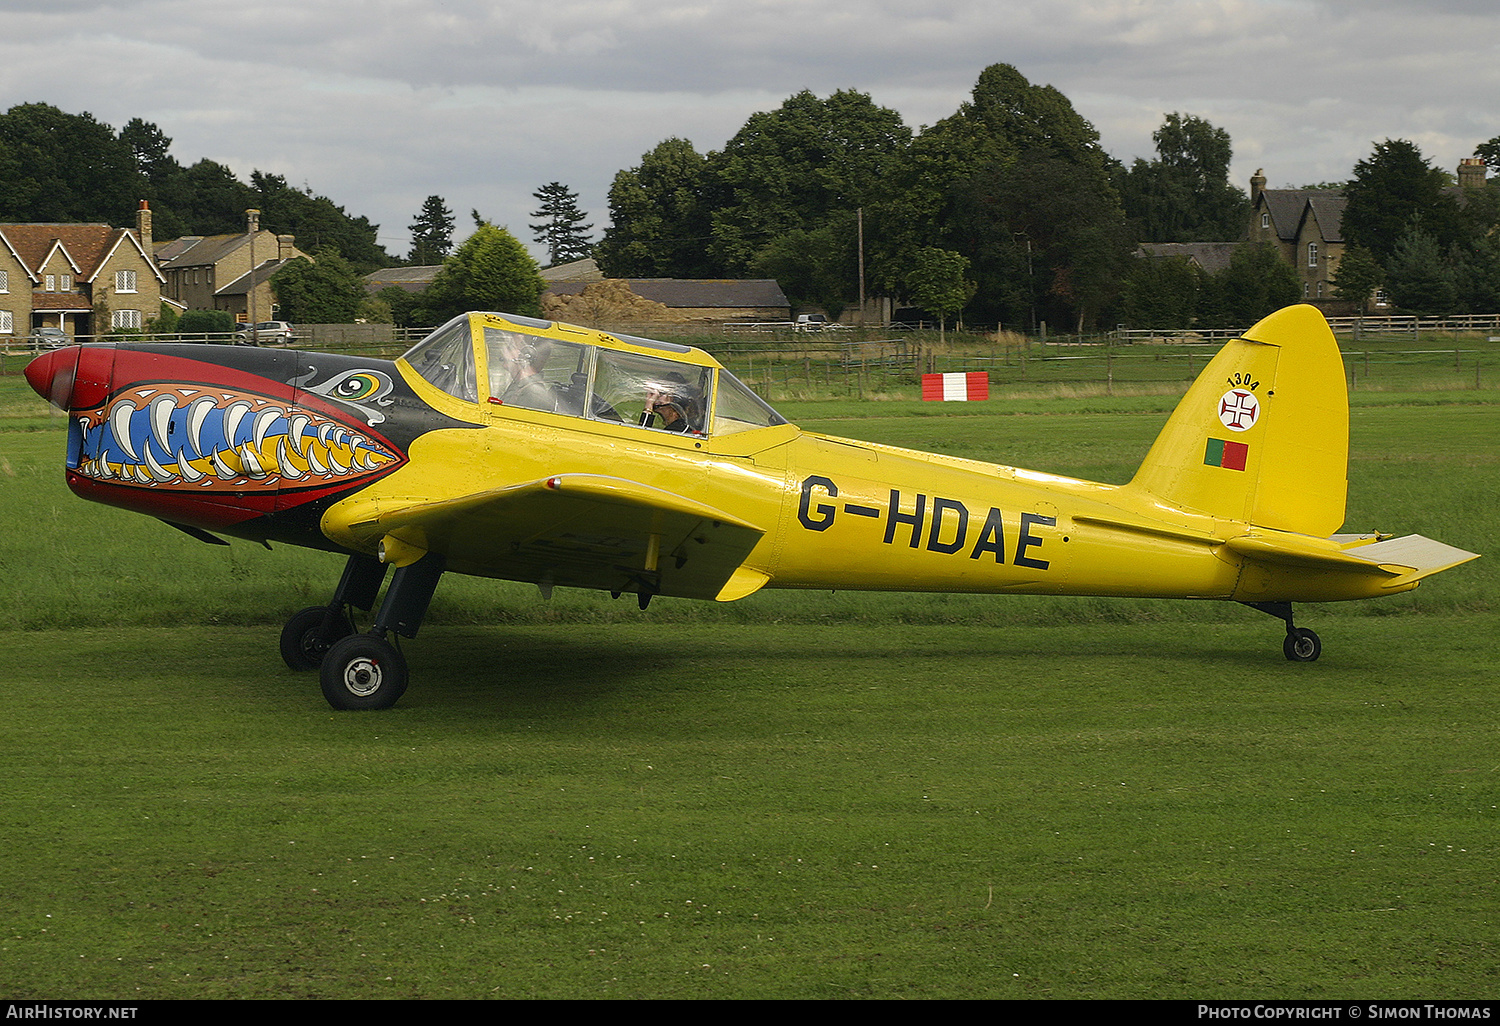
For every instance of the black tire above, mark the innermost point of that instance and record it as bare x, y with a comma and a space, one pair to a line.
363, 672
1302, 645
309, 634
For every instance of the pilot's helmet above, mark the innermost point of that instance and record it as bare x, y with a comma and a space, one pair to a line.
675, 387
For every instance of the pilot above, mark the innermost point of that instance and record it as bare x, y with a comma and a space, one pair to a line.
524, 357
677, 403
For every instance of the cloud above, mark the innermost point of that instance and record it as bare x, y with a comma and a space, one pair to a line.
381, 103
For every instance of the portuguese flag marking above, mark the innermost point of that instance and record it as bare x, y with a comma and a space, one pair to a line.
1229, 455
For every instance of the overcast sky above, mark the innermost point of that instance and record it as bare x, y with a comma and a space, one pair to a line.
378, 104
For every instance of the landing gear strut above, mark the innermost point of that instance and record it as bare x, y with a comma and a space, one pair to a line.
362, 671
310, 633
1301, 645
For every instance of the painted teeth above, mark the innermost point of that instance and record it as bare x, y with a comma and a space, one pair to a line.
162, 408
299, 442
263, 421
181, 437
197, 414
119, 427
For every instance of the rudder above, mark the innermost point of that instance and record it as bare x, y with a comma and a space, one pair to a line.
1262, 435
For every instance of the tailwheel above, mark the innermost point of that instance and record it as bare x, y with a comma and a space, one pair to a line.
364, 671
1301, 645
310, 633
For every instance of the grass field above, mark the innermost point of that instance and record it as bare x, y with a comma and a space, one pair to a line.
796, 795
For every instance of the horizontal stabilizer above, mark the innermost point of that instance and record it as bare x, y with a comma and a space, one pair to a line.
1417, 556
1405, 559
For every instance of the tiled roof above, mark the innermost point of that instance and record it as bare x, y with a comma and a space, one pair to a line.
412, 279
1328, 208
199, 251
1213, 257
60, 301
585, 270
680, 293
241, 285
1287, 207
86, 246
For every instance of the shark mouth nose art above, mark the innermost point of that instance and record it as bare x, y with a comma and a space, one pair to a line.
181, 437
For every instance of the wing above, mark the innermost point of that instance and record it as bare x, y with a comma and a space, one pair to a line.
572, 530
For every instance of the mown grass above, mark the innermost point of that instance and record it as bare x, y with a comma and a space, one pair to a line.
796, 795
757, 811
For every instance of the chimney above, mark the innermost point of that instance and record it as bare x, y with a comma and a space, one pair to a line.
1471, 171
143, 227
1257, 185
284, 247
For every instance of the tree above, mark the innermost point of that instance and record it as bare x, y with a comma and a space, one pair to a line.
1161, 292
206, 322
976, 182
207, 199
1393, 185
814, 267
490, 271
1257, 282
1185, 194
660, 214
1478, 277
1418, 278
1357, 277
327, 291
403, 305
561, 230
1489, 152
1005, 117
316, 221
151, 151
807, 163
1043, 237
937, 284
64, 167
431, 233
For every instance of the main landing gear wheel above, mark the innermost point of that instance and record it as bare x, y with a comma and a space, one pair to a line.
1301, 645
310, 633
363, 672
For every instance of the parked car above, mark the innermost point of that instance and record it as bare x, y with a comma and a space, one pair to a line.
49, 338
264, 333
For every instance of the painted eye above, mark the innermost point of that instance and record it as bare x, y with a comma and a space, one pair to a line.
357, 386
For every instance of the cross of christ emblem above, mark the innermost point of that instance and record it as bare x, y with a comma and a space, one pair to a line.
1238, 410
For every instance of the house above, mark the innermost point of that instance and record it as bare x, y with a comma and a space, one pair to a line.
585, 270
1209, 257
416, 279
226, 272
709, 299
85, 279
408, 279
1306, 226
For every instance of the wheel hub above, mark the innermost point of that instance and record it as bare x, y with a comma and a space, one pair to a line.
362, 677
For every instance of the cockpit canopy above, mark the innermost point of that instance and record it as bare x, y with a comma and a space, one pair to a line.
506, 360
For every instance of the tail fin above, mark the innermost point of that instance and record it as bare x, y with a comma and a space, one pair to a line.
1262, 436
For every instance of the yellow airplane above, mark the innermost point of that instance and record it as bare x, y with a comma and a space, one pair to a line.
536, 451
